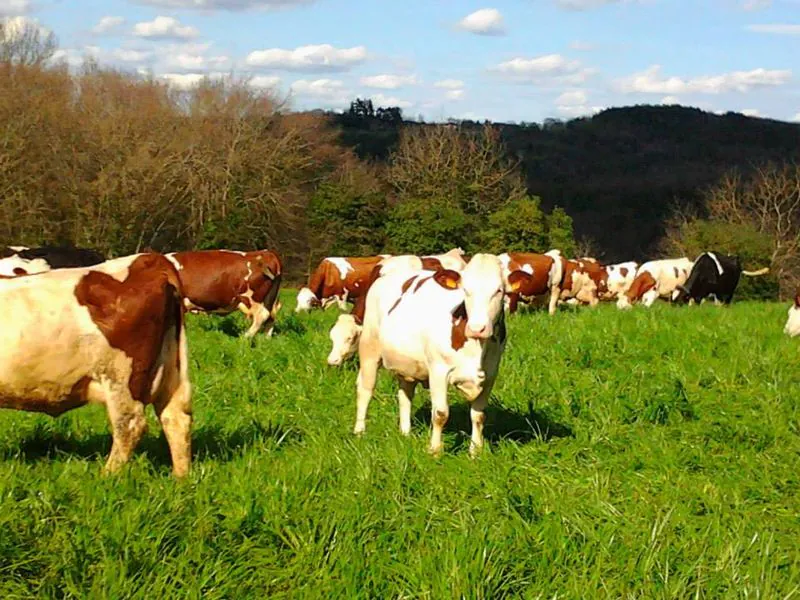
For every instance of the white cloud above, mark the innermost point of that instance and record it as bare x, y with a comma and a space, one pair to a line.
572, 98
449, 84
796, 118
232, 5
750, 112
776, 28
191, 57
486, 21
651, 81
11, 8
755, 4
183, 81
454, 94
13, 27
322, 57
580, 110
575, 103
130, 56
586, 4
541, 68
106, 24
73, 57
331, 92
164, 28
385, 101
388, 82
667, 100
265, 81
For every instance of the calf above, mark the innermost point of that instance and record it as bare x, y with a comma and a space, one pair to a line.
656, 279
546, 272
223, 281
713, 275
436, 329
111, 334
21, 260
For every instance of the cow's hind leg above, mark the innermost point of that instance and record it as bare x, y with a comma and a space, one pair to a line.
405, 395
477, 413
258, 314
369, 361
440, 410
128, 424
175, 413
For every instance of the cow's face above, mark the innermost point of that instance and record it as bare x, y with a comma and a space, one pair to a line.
344, 337
792, 327
483, 287
681, 295
306, 300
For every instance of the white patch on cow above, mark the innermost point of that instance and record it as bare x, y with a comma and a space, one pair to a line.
343, 266
453, 259
716, 261
792, 327
344, 338
171, 258
400, 264
504, 260
527, 269
649, 297
9, 264
18, 248
305, 300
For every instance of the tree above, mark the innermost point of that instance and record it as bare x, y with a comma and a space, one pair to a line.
427, 226
559, 232
519, 226
24, 42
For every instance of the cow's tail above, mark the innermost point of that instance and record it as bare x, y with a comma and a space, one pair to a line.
757, 273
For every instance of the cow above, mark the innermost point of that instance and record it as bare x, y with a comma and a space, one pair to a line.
112, 334
436, 328
223, 281
620, 278
547, 273
21, 260
656, 279
713, 275
792, 327
584, 281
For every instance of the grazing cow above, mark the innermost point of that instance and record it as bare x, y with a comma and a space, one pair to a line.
546, 271
437, 329
222, 281
792, 327
110, 334
620, 278
583, 281
656, 279
713, 275
336, 279
21, 260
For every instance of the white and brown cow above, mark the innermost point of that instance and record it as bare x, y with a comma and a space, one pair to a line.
223, 281
792, 327
584, 281
439, 329
337, 279
656, 279
546, 272
620, 278
111, 334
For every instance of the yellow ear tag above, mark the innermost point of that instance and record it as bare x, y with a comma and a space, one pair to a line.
451, 283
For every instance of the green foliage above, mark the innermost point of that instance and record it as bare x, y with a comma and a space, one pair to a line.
346, 222
663, 466
559, 231
753, 248
427, 226
519, 226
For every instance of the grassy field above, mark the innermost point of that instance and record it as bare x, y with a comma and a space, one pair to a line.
649, 454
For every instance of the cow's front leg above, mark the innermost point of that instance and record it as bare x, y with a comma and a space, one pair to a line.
405, 395
477, 413
440, 411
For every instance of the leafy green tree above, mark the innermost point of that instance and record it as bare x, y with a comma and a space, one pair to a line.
559, 232
427, 226
519, 226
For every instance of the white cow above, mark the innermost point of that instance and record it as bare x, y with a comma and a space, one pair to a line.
656, 279
620, 278
441, 328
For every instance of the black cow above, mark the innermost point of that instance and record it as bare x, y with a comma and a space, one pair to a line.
19, 260
714, 274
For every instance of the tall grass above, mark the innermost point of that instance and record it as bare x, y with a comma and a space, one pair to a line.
650, 454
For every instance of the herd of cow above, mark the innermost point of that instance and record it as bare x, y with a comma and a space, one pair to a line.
78, 328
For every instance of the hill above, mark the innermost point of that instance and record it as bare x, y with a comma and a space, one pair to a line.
619, 172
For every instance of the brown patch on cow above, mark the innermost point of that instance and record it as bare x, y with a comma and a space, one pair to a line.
20, 271
623, 271
430, 263
407, 284
326, 281
677, 272
448, 279
643, 283
458, 330
134, 315
421, 282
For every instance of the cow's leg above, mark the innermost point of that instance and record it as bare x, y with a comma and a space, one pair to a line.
555, 292
369, 360
405, 395
258, 313
128, 424
513, 301
175, 413
440, 411
478, 416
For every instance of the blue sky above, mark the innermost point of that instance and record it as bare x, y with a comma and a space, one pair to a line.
507, 60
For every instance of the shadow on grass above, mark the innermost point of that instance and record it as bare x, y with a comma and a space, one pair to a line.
208, 443
501, 424
228, 324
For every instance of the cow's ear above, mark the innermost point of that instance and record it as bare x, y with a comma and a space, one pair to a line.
448, 279
516, 280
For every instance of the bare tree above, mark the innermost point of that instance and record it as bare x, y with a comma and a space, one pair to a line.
23, 42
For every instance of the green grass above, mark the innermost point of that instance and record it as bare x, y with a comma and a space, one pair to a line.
649, 454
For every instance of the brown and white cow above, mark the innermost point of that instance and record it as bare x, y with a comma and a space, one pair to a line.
546, 272
110, 334
656, 279
584, 281
440, 329
620, 278
223, 281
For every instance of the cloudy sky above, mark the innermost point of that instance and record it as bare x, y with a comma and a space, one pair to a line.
508, 60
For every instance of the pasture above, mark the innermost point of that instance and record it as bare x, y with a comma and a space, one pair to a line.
647, 454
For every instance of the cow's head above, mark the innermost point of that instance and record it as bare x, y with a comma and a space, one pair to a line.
344, 335
792, 327
306, 300
483, 287
681, 295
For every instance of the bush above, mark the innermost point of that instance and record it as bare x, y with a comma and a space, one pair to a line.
428, 226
